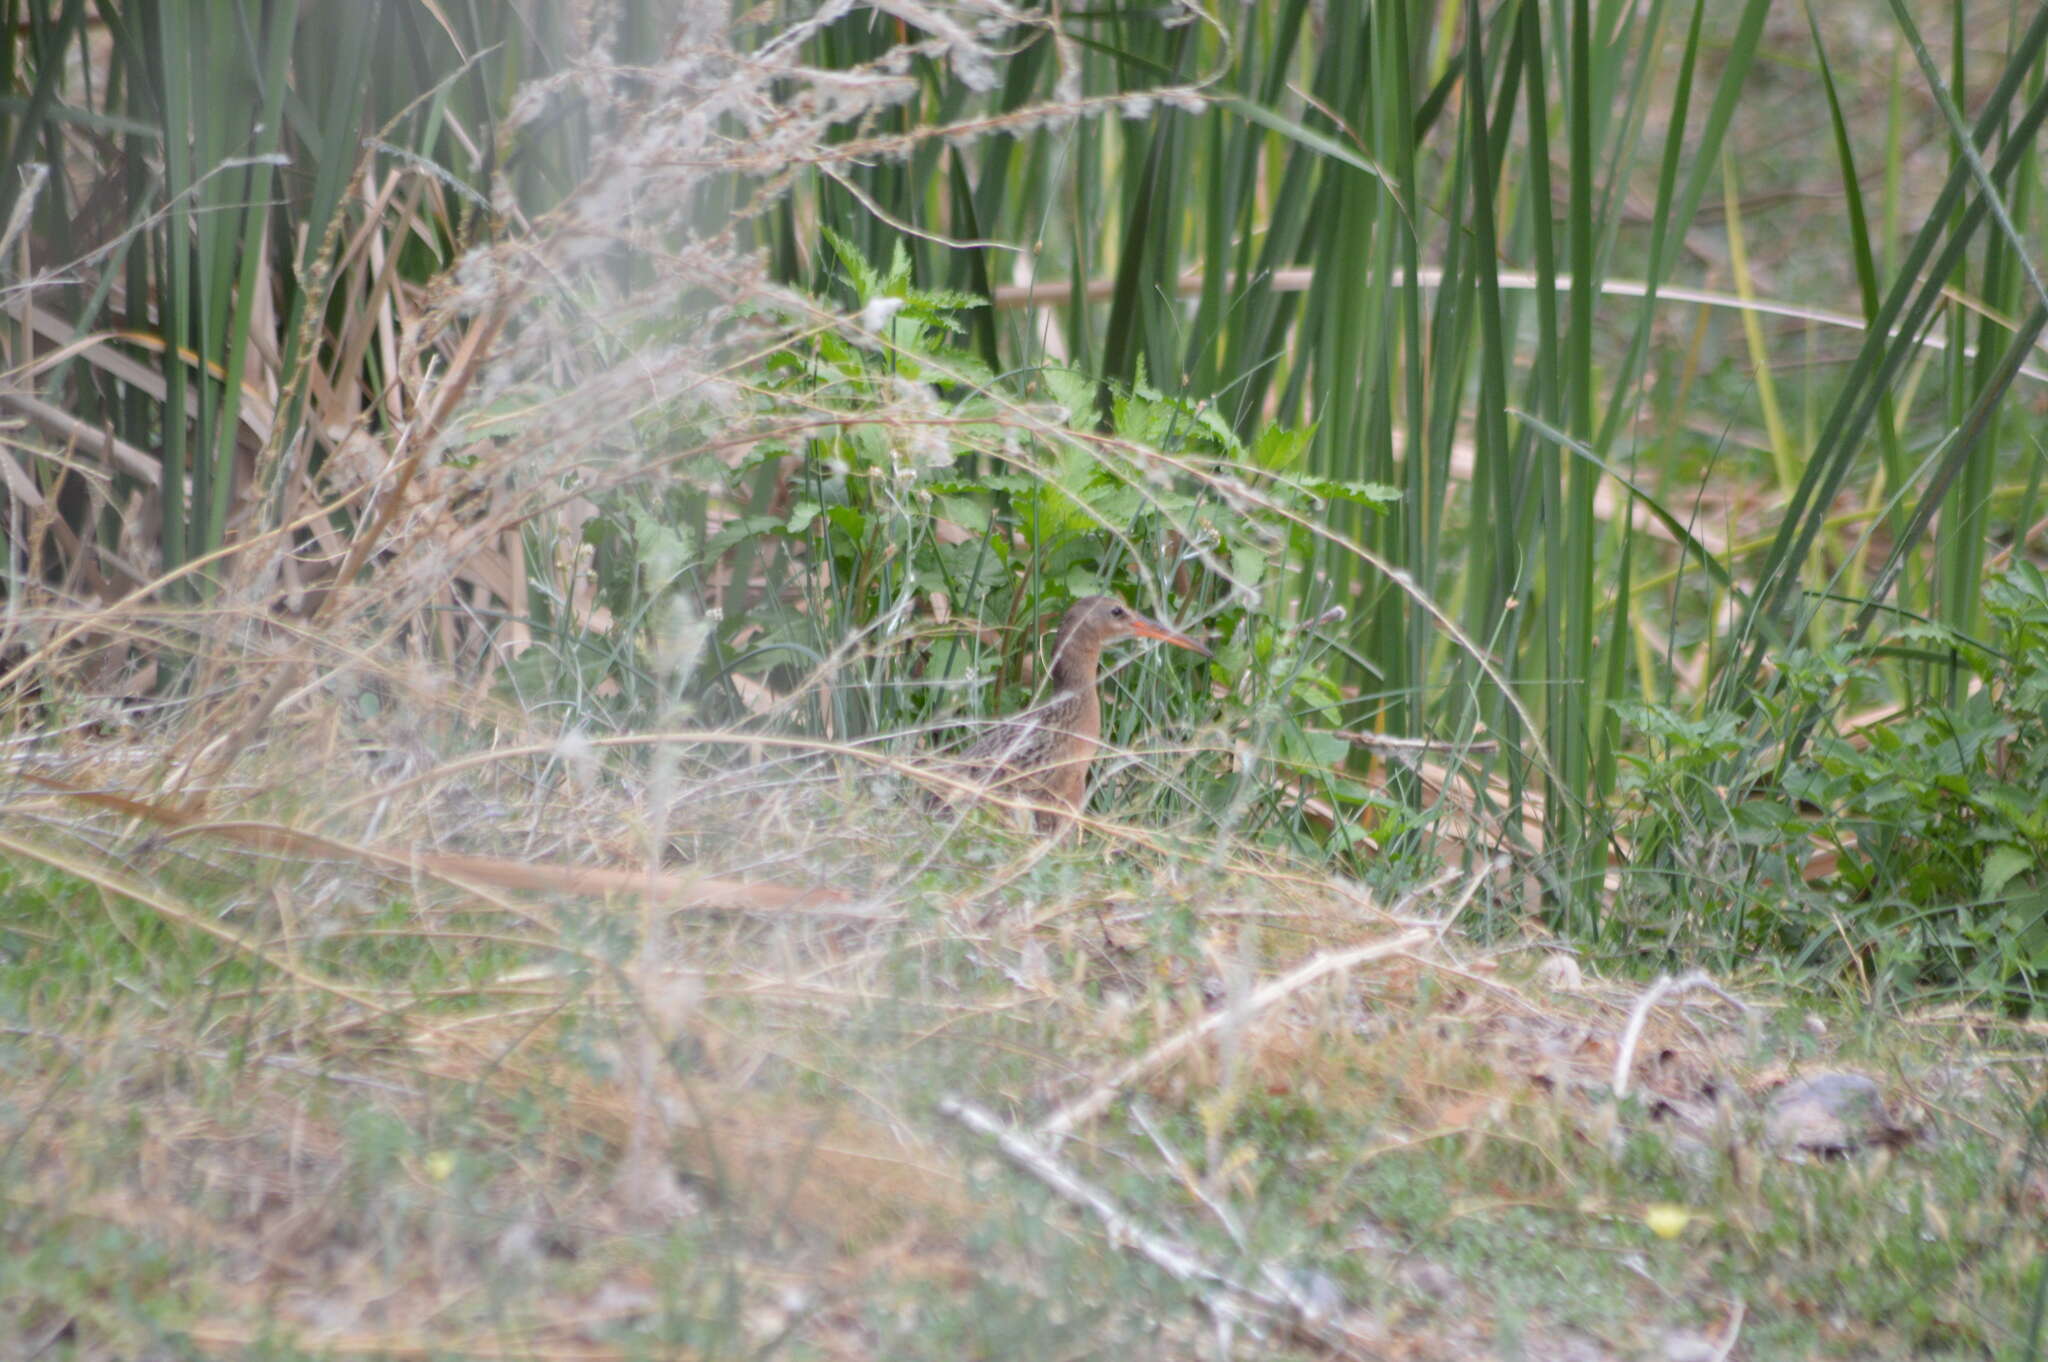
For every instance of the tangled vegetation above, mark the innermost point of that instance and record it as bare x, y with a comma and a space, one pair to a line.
504, 504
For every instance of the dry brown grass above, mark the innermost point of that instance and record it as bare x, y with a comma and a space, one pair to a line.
370, 1010
429, 1114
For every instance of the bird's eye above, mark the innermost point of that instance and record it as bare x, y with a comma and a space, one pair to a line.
1119, 612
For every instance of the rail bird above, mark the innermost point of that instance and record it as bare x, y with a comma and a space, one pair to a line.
1041, 756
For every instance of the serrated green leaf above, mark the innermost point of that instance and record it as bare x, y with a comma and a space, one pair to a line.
943, 299
1762, 822
867, 284
1081, 581
1074, 392
1280, 449
1374, 494
734, 531
2004, 862
662, 551
964, 512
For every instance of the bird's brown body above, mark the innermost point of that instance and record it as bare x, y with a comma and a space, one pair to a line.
1041, 756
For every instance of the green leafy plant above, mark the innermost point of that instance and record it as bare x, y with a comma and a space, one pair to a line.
1914, 848
885, 557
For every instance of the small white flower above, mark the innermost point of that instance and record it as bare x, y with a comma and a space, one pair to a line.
877, 313
578, 756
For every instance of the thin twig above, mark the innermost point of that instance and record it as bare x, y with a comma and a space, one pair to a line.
1224, 1215
1624, 1060
1226, 1300
289, 1063
1087, 1108
1399, 747
1477, 878
1734, 1331
1164, 1253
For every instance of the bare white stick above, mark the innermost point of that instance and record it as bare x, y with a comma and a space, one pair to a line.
1624, 1059
1423, 891
1163, 1253
1187, 1177
1230, 1303
1098, 1099
1734, 1332
1478, 878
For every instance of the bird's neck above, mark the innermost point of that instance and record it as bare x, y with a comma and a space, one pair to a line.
1075, 660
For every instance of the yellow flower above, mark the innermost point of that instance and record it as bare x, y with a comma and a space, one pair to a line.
1666, 1220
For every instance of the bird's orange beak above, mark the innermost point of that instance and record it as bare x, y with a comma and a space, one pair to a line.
1145, 628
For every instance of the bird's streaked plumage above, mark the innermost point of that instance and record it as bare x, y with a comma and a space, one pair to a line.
1042, 755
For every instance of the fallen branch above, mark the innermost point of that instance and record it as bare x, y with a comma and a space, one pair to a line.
1228, 1302
464, 871
1624, 1060
1088, 1108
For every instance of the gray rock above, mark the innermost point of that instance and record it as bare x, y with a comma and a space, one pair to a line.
1829, 1114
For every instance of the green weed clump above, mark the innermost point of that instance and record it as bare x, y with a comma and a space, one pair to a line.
1909, 851
881, 565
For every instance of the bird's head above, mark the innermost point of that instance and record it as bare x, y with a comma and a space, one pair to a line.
1094, 621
